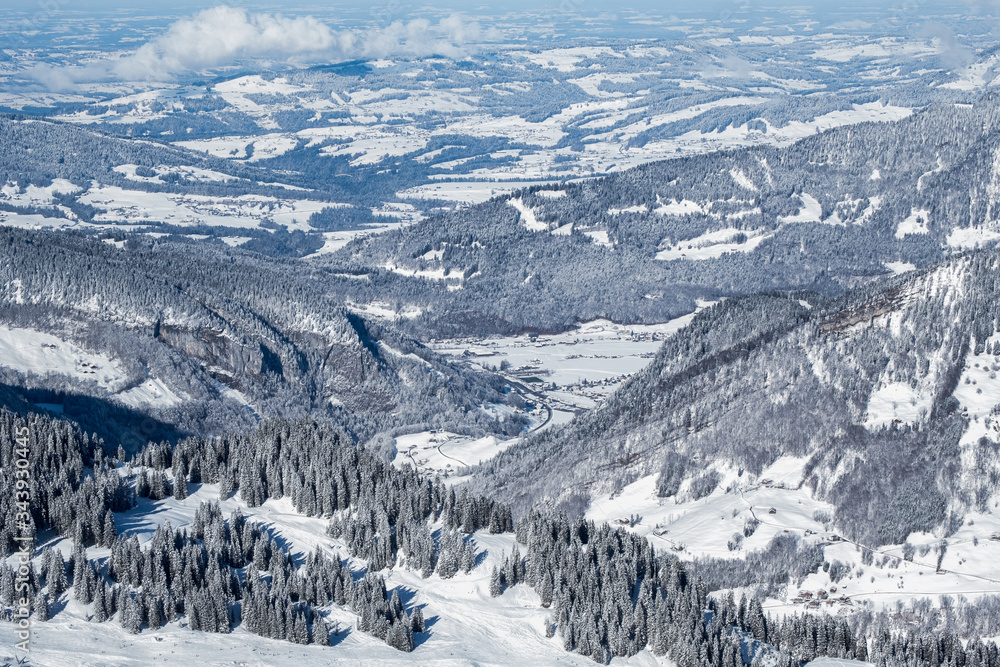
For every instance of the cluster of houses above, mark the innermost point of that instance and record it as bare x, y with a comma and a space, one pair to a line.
818, 598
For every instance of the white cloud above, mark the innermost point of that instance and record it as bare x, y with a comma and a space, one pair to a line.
223, 35
227, 35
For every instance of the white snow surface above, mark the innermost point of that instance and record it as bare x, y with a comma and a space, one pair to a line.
712, 245
151, 392
693, 529
33, 352
915, 223
978, 392
899, 267
967, 238
682, 207
897, 402
811, 211
743, 180
244, 211
600, 237
466, 626
528, 218
466, 191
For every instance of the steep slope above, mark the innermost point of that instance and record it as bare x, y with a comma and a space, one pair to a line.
206, 339
888, 395
828, 213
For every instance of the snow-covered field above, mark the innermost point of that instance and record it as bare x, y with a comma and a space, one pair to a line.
712, 245
151, 392
33, 352
572, 370
705, 527
897, 402
245, 211
445, 454
465, 192
334, 241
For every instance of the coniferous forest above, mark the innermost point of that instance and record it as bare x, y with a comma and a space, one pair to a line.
610, 592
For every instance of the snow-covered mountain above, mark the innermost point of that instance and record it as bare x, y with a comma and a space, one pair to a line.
827, 213
661, 338
156, 339
882, 403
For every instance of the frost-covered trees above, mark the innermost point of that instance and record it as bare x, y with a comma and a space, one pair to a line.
610, 593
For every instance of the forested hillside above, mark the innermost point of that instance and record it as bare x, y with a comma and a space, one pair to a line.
157, 339
887, 395
828, 213
610, 593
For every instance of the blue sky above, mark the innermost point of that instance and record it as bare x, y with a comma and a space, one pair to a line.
297, 6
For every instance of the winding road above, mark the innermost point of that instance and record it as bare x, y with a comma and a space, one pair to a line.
525, 391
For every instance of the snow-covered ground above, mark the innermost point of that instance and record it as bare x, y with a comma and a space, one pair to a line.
465, 625
465, 192
967, 238
245, 211
899, 267
334, 241
915, 223
572, 370
811, 211
712, 245
528, 218
33, 352
706, 527
897, 402
445, 454
151, 392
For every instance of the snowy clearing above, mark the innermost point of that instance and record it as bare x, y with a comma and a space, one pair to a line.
466, 192
916, 223
528, 218
32, 352
899, 267
151, 392
898, 403
811, 211
241, 212
712, 245
967, 238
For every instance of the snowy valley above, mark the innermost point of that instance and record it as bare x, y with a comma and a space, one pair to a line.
589, 334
